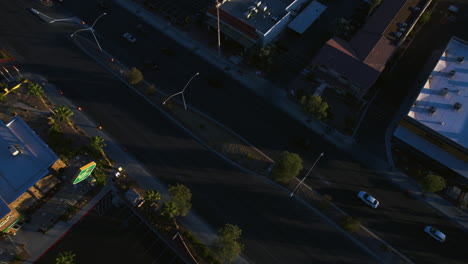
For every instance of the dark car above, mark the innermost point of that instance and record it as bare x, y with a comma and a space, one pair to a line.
151, 64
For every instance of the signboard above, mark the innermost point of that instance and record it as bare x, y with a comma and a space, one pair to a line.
85, 171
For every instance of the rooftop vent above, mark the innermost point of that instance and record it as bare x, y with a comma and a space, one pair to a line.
432, 110
451, 73
460, 59
444, 91
457, 106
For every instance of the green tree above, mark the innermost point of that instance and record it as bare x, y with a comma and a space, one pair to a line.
153, 197
97, 143
181, 195
425, 17
35, 89
316, 106
62, 112
2, 97
135, 76
169, 209
288, 166
433, 183
151, 90
374, 3
66, 257
226, 245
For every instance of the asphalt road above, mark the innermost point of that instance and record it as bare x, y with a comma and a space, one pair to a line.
399, 220
275, 228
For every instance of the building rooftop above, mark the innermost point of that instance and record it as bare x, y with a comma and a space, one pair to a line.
268, 12
436, 105
307, 17
371, 47
19, 172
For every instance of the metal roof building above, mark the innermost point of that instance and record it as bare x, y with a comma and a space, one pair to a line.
24, 160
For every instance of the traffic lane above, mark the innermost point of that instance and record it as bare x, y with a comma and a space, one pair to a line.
279, 230
89, 81
398, 219
224, 101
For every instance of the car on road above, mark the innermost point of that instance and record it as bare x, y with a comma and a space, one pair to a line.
368, 199
435, 233
34, 11
151, 64
129, 37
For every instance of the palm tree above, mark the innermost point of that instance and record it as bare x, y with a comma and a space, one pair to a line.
169, 209
36, 89
65, 257
63, 113
153, 197
97, 143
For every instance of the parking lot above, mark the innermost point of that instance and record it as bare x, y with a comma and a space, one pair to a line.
110, 234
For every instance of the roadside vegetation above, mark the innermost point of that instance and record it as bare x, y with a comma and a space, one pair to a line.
288, 166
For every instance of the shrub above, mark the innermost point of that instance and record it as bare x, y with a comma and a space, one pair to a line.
349, 223
288, 166
151, 90
134, 76
433, 183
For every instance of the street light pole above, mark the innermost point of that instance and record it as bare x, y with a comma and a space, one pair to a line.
218, 4
182, 92
303, 179
91, 29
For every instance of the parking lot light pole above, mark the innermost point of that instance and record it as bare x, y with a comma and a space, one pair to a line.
4, 76
303, 179
91, 29
182, 92
17, 71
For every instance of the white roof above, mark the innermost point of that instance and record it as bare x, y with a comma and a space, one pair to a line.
446, 120
307, 17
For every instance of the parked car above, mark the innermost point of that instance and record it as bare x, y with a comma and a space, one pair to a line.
129, 37
435, 233
397, 34
368, 199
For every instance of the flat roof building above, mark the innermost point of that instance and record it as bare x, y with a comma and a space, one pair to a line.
24, 160
437, 122
258, 22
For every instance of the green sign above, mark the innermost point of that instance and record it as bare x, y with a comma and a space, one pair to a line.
85, 171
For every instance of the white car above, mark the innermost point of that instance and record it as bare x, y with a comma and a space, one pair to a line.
34, 11
368, 199
129, 37
435, 233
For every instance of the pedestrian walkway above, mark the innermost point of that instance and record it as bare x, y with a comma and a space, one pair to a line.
278, 97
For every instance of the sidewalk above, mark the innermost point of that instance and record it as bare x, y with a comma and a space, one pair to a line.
278, 97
